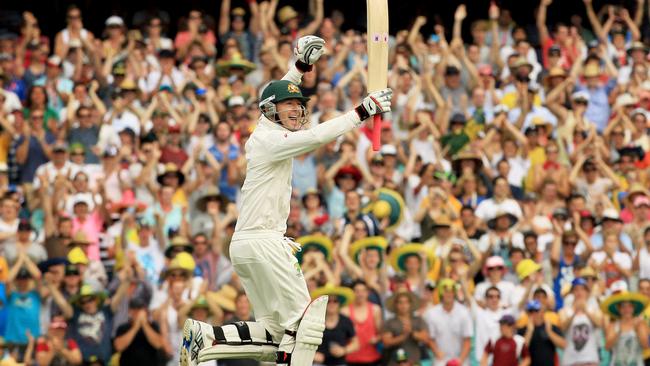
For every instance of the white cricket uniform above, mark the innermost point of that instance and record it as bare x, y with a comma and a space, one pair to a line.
261, 256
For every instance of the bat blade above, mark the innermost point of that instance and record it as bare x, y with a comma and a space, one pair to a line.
377, 55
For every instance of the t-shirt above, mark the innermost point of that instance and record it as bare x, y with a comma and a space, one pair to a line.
410, 345
92, 332
23, 313
507, 351
140, 351
35, 252
449, 329
541, 349
35, 157
341, 335
4, 310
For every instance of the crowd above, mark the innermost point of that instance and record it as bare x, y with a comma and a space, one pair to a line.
504, 220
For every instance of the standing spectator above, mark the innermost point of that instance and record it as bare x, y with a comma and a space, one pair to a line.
55, 349
405, 331
542, 337
626, 336
138, 340
23, 302
339, 338
509, 349
367, 320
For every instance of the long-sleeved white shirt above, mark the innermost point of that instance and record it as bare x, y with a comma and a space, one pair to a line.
266, 193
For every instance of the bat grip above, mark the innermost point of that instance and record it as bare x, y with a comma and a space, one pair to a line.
376, 132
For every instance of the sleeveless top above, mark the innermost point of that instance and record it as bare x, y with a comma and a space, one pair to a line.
582, 345
365, 331
627, 351
565, 276
65, 35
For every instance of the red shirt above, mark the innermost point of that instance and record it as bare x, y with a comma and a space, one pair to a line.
43, 346
504, 352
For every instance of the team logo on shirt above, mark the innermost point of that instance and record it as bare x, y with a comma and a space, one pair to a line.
298, 269
291, 88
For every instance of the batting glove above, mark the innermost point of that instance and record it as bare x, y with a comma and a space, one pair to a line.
309, 49
375, 103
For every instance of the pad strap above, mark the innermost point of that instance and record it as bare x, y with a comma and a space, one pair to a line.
283, 358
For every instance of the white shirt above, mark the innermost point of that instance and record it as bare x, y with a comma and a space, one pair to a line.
149, 83
69, 170
487, 327
124, 120
449, 329
505, 287
270, 150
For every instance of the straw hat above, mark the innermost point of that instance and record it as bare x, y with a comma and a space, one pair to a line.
176, 242
225, 298
415, 301
212, 193
344, 294
500, 213
171, 169
236, 61
286, 13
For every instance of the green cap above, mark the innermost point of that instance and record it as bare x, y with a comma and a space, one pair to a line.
280, 90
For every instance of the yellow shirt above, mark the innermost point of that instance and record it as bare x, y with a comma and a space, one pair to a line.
5, 143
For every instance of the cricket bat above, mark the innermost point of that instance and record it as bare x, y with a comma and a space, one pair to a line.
377, 57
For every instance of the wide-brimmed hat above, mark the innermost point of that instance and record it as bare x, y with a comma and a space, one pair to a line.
345, 295
610, 305
389, 204
320, 242
390, 302
225, 298
466, 154
500, 213
611, 214
178, 242
171, 169
236, 61
182, 261
89, 290
526, 268
637, 46
398, 256
210, 194
373, 242
554, 72
442, 221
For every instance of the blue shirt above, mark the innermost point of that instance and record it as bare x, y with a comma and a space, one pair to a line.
4, 310
23, 314
598, 109
35, 157
304, 174
92, 332
226, 189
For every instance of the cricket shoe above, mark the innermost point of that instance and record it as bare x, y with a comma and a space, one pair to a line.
196, 336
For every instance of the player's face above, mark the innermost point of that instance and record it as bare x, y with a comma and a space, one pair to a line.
291, 114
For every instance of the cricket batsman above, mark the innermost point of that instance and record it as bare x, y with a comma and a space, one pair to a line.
289, 326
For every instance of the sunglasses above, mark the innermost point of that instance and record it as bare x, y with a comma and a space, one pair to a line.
531, 311
86, 300
498, 268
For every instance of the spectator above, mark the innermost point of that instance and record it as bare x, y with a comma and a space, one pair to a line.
367, 320
405, 331
541, 336
509, 349
54, 348
627, 335
138, 340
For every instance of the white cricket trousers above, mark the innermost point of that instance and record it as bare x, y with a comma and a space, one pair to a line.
272, 279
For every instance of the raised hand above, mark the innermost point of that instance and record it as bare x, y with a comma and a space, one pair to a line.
461, 12
309, 49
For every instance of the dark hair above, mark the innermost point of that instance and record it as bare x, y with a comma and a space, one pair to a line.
28, 101
497, 178
358, 282
492, 288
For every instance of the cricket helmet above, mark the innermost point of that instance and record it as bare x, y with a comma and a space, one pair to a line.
278, 91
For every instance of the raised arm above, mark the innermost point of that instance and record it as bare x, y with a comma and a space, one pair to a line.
224, 18
541, 20
596, 25
312, 27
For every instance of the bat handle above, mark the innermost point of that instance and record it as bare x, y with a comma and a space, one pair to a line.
376, 132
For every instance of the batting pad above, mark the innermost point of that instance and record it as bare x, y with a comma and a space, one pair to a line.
241, 340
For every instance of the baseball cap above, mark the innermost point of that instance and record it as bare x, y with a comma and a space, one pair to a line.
507, 319
58, 322
113, 21
236, 100
23, 274
60, 146
580, 95
110, 151
24, 225
579, 281
495, 261
71, 270
388, 150
533, 305
54, 61
611, 214
458, 118
166, 53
